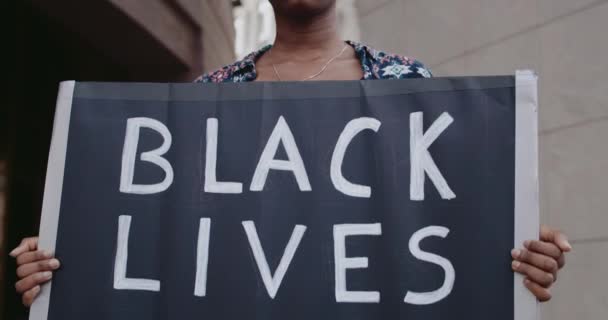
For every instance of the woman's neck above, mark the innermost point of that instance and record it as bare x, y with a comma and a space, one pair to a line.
308, 47
308, 38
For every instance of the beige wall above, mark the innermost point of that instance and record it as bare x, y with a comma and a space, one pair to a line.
565, 41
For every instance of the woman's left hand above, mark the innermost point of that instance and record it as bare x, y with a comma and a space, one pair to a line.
540, 260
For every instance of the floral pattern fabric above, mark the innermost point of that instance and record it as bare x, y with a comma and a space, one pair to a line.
375, 64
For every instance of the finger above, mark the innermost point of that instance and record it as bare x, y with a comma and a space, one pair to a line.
542, 294
545, 248
562, 242
546, 263
561, 261
27, 244
29, 296
551, 235
33, 280
33, 267
32, 256
541, 277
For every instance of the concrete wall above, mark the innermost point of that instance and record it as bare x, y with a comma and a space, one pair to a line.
217, 32
565, 41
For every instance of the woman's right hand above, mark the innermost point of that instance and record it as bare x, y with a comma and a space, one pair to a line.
34, 267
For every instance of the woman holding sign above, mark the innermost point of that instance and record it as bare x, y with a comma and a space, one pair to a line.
308, 47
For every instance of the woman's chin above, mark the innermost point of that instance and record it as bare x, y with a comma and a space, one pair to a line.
301, 8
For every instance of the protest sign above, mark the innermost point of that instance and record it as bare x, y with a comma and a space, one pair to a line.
312, 200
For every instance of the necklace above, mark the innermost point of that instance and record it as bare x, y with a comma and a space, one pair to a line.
276, 72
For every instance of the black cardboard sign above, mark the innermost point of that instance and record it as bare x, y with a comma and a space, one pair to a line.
321, 200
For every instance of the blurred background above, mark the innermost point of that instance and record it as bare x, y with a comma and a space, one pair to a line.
176, 40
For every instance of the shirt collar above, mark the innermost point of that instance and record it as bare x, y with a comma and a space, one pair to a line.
246, 66
367, 55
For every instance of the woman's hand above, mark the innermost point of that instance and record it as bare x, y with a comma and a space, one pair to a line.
34, 267
539, 261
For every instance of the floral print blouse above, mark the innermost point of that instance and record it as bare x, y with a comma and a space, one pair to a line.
375, 64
